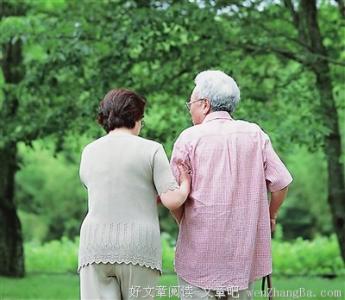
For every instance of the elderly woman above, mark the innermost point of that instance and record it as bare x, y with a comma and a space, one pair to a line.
120, 249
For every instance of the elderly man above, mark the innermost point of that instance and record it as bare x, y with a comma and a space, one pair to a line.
224, 241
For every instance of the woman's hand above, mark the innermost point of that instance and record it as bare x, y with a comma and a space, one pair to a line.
185, 176
176, 198
178, 214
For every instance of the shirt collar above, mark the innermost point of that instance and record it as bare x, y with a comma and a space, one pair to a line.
217, 115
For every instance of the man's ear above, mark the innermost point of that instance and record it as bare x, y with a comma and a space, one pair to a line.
207, 106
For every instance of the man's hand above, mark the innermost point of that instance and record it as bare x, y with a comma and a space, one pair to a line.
273, 224
277, 199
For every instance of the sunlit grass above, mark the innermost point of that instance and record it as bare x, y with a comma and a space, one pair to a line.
66, 286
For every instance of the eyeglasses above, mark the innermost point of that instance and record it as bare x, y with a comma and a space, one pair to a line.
188, 104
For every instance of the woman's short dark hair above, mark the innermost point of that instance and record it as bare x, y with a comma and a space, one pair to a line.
120, 108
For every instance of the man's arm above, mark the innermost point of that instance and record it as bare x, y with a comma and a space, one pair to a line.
277, 178
277, 199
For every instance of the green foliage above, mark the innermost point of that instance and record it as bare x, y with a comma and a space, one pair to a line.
49, 192
168, 252
34, 228
73, 52
13, 28
306, 212
320, 256
49, 187
54, 256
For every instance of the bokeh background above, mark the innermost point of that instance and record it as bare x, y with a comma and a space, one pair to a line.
59, 58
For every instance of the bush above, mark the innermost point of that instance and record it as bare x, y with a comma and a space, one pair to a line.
54, 256
62, 255
168, 252
34, 227
48, 186
320, 256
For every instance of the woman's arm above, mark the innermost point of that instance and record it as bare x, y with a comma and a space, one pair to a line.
175, 199
178, 214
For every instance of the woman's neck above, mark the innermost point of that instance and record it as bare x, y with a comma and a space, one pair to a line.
123, 130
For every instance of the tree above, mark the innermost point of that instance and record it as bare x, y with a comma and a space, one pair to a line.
309, 32
33, 105
59, 58
11, 240
292, 32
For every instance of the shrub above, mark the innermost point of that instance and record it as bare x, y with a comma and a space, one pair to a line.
168, 252
54, 256
320, 256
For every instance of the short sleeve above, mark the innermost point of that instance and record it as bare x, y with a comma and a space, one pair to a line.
162, 175
180, 154
276, 174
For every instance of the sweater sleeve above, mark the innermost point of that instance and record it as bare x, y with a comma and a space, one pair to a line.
83, 169
162, 175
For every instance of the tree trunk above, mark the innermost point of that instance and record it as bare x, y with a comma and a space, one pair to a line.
336, 188
320, 67
11, 241
341, 6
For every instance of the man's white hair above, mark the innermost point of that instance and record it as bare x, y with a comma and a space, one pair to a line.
219, 88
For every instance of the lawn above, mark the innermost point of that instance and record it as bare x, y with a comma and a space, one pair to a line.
66, 286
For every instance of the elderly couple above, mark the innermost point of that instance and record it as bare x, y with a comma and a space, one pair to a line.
216, 187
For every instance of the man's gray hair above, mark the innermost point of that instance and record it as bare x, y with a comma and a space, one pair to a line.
219, 88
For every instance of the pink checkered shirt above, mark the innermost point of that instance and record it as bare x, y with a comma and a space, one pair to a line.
224, 239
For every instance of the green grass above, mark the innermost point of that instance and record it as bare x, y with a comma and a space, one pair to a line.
66, 286
40, 286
